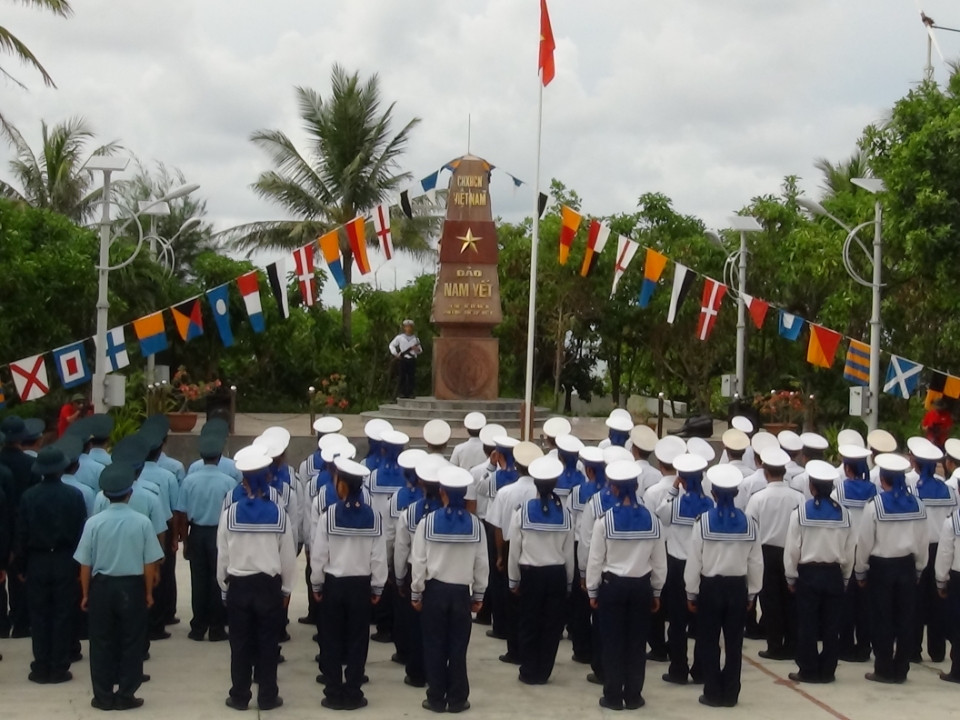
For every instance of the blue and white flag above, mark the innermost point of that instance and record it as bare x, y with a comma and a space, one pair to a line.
72, 367
790, 325
219, 299
116, 350
902, 377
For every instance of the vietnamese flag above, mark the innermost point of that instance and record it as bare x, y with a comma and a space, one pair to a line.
547, 46
570, 219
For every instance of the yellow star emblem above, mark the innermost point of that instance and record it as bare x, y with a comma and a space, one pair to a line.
469, 241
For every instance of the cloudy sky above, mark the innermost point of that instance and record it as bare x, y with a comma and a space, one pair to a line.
709, 102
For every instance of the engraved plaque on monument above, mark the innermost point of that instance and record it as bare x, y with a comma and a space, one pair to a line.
466, 300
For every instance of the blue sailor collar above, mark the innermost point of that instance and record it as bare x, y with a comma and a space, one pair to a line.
602, 501
935, 492
256, 515
898, 507
353, 517
387, 479
404, 498
956, 522
556, 519
855, 493
419, 510
824, 514
734, 526
630, 522
452, 526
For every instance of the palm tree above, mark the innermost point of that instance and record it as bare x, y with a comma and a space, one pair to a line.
53, 179
10, 43
351, 164
836, 178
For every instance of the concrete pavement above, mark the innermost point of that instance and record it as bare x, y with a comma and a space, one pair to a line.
191, 679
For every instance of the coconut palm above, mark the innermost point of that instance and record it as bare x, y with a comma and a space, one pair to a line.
53, 179
349, 166
12, 45
837, 177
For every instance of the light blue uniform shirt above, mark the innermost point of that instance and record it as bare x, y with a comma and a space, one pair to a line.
141, 501
202, 494
226, 465
165, 480
172, 465
88, 494
151, 487
100, 455
89, 472
118, 542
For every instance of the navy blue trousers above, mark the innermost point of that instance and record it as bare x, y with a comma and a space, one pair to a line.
446, 623
345, 636
117, 608
930, 612
892, 583
819, 610
255, 612
543, 598
624, 608
721, 609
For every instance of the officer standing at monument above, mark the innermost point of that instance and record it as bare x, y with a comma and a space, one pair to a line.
118, 553
405, 347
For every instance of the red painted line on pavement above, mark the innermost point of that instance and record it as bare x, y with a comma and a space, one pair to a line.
797, 689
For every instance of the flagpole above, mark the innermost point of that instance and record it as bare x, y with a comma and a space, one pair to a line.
527, 429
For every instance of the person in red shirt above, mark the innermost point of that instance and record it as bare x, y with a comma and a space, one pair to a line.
71, 411
937, 423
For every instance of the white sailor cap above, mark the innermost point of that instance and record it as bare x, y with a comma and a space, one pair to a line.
490, 432
774, 456
526, 452
891, 462
409, 459
475, 421
327, 424
591, 455
351, 468
620, 412
699, 446
821, 471
952, 446
272, 445
408, 321
545, 467
735, 440
436, 432
689, 463
374, 429
724, 477
429, 466
790, 441
882, 441
331, 439
622, 471
644, 438
329, 454
849, 436
569, 443
923, 449
251, 459
556, 426
506, 442
762, 440
814, 441
619, 422
454, 478
742, 423
668, 448
615, 453
853, 452
395, 437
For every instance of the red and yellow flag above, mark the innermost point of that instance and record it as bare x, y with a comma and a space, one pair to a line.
823, 346
358, 244
547, 46
571, 223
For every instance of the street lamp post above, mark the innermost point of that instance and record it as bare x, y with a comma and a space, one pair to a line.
153, 210
874, 256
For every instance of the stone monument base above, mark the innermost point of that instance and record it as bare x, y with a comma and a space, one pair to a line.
466, 368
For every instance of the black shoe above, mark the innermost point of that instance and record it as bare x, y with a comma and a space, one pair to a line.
99, 704
172, 621
592, 678
218, 635
916, 658
876, 677
354, 704
19, 633
427, 705
281, 659
61, 677
634, 704
657, 656
321, 679
458, 707
495, 635
481, 621
407, 680
146, 657
853, 658
510, 659
285, 637
75, 658
604, 703
236, 704
667, 677
315, 637
38, 678
754, 635
364, 680
127, 703
316, 658
582, 659
270, 705
306, 620
331, 704
144, 678
947, 677
396, 658
196, 635
938, 658
528, 681
159, 635
775, 655
382, 636
799, 677
709, 702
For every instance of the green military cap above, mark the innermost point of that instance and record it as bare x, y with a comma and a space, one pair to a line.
131, 450
153, 437
50, 461
13, 429
72, 447
215, 426
82, 429
101, 425
210, 445
34, 429
117, 479
159, 424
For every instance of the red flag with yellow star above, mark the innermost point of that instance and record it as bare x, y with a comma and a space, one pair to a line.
547, 46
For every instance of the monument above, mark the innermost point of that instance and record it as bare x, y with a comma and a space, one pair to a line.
466, 300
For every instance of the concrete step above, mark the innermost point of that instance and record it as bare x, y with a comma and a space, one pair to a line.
464, 406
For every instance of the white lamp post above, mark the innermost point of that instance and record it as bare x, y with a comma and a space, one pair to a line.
875, 257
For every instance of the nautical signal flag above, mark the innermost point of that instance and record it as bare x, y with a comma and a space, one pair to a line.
857, 367
823, 345
188, 317
277, 277
303, 262
652, 270
330, 247
545, 64
542, 200
790, 325
151, 334
357, 236
626, 249
945, 384
405, 207
30, 377
902, 377
3, 398
116, 355
381, 228
596, 241
249, 286
713, 293
757, 309
682, 280
71, 364
570, 223
219, 299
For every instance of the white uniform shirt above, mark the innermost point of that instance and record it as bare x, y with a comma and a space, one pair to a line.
649, 476
751, 485
483, 477
347, 556
454, 563
937, 511
468, 454
505, 504
655, 494
889, 539
626, 558
241, 554
677, 529
801, 483
538, 548
588, 518
948, 551
713, 558
749, 459
771, 509
405, 344
833, 544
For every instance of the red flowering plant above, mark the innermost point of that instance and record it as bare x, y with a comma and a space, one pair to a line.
331, 394
183, 391
782, 406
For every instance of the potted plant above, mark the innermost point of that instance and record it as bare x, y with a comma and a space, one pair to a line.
331, 395
781, 409
176, 397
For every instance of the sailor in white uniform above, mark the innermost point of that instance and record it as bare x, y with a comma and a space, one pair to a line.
469, 453
947, 569
644, 441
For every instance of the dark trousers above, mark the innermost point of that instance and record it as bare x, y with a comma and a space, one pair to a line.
53, 595
657, 636
543, 598
777, 604
165, 594
19, 616
510, 612
4, 615
382, 612
578, 611
953, 627
117, 609
675, 597
208, 610
624, 620
893, 599
312, 607
345, 630
406, 376
486, 611
930, 609
721, 608
497, 586
855, 624
819, 597
408, 628
445, 621
255, 613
